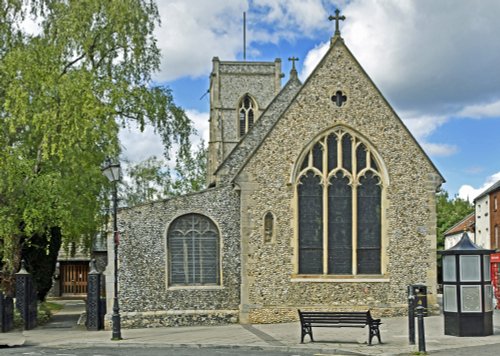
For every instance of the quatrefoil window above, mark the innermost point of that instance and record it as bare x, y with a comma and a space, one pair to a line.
339, 98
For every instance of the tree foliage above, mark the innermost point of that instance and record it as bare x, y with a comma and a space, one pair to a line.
449, 212
65, 92
155, 179
190, 171
146, 181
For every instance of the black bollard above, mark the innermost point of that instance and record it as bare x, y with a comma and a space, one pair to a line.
26, 301
93, 298
421, 331
411, 319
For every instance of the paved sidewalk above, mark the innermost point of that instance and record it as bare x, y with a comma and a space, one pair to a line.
283, 337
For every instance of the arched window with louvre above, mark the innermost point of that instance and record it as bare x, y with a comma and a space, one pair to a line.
247, 111
193, 251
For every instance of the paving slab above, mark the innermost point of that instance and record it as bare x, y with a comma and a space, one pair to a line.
283, 337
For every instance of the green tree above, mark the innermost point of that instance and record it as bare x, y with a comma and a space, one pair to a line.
146, 181
154, 179
190, 170
65, 92
449, 212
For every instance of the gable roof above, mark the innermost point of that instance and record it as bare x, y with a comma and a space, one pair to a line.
338, 40
463, 225
494, 187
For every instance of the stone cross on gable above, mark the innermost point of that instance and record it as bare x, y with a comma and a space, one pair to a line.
293, 72
337, 18
293, 59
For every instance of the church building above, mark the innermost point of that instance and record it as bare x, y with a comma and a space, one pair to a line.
319, 198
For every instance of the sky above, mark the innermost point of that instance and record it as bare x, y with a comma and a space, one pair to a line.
436, 62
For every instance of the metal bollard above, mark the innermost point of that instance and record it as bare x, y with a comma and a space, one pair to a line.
421, 331
411, 316
411, 319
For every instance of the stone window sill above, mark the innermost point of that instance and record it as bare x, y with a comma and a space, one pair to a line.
195, 288
339, 279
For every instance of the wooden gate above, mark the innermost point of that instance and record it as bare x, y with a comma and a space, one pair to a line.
74, 277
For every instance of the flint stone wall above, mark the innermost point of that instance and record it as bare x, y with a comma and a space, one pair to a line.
145, 298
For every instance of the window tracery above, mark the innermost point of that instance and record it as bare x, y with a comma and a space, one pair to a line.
339, 197
247, 109
193, 251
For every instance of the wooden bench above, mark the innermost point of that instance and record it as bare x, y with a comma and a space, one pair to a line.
308, 320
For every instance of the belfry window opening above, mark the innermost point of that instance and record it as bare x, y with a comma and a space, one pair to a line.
247, 110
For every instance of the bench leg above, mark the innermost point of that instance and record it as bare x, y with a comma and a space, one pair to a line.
306, 330
374, 331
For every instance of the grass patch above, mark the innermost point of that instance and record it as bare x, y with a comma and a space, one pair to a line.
52, 307
46, 310
44, 313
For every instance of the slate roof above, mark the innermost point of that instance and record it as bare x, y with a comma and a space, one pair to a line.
493, 188
463, 225
252, 139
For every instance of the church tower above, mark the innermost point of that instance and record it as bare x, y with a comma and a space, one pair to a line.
239, 92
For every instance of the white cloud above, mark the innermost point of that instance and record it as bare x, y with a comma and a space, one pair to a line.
31, 24
422, 125
479, 111
194, 31
200, 122
427, 55
470, 193
293, 16
439, 149
474, 170
138, 146
312, 59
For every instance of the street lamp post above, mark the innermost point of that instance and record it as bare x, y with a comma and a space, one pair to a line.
112, 172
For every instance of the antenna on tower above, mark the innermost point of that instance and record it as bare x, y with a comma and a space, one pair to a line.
244, 35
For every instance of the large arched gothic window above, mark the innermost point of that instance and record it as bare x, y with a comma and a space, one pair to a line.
339, 190
247, 110
193, 251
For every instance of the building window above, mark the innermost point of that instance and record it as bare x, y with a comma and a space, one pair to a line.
247, 109
339, 180
496, 243
268, 227
495, 206
193, 251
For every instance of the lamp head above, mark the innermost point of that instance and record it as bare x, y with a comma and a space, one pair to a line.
112, 170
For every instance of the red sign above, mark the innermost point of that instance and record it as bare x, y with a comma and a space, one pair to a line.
495, 257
